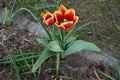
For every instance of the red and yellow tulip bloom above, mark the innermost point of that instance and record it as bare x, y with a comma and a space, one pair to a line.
48, 19
65, 18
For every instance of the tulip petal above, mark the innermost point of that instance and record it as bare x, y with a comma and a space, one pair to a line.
45, 23
42, 14
67, 25
65, 18
62, 8
60, 26
59, 17
75, 20
48, 15
48, 19
70, 15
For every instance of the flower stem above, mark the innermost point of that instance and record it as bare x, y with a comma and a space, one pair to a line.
57, 64
61, 37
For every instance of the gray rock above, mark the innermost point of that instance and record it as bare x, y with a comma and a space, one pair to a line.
99, 59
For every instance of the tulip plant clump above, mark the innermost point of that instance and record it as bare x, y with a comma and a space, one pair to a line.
59, 27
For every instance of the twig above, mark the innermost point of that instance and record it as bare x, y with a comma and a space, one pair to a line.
96, 74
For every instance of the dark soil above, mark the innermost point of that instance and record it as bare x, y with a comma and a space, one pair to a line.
73, 66
105, 33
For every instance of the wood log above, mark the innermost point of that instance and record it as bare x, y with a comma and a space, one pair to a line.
98, 59
91, 57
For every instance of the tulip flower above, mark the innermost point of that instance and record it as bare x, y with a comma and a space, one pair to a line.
65, 18
60, 43
48, 19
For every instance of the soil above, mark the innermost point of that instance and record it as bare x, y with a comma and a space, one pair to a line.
15, 38
105, 33
74, 66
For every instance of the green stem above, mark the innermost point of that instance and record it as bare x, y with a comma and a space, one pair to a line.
13, 6
63, 32
57, 65
53, 33
61, 37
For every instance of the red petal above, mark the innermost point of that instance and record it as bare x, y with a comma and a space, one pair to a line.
59, 26
45, 23
48, 23
48, 15
70, 15
48, 19
67, 25
62, 8
76, 20
59, 17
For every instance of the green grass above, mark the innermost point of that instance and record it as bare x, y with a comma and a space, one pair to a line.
39, 5
19, 60
22, 62
106, 75
116, 69
107, 29
7, 15
105, 33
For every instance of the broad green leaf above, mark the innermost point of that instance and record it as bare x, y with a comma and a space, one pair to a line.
45, 55
80, 45
42, 41
55, 46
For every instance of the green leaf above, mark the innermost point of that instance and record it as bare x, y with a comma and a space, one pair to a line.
70, 32
70, 39
85, 25
42, 41
45, 55
55, 46
74, 29
80, 45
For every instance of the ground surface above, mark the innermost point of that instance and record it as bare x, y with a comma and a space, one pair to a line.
106, 32
102, 33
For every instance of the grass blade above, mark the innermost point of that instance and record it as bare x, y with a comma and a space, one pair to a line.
104, 74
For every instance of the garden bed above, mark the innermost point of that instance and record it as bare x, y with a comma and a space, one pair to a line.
82, 66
